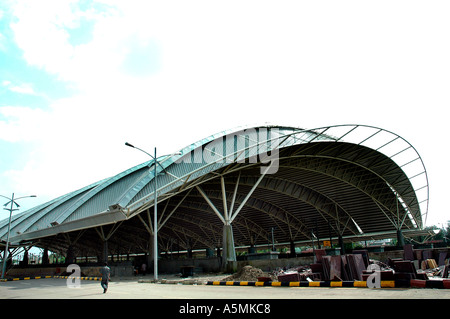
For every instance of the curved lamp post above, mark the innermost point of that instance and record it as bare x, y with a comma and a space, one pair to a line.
12, 202
155, 220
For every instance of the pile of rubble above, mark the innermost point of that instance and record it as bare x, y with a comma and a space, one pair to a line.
250, 273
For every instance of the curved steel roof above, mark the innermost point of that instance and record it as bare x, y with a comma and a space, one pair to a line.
352, 180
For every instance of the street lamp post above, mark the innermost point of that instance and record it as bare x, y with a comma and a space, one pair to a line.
155, 214
12, 202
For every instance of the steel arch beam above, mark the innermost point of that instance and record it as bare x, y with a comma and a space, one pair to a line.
359, 181
319, 201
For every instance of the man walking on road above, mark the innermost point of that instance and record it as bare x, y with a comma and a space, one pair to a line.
105, 271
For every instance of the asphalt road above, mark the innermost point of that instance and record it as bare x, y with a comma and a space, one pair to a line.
180, 301
52, 288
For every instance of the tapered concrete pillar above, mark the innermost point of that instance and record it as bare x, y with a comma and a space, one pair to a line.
209, 252
341, 244
229, 252
24, 261
150, 254
45, 260
400, 239
105, 251
70, 255
292, 249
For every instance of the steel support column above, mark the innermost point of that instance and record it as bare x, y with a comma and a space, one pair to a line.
229, 253
227, 216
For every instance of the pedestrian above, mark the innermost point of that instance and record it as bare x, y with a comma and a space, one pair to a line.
144, 268
105, 271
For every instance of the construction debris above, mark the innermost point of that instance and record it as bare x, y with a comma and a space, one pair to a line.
355, 267
250, 273
341, 267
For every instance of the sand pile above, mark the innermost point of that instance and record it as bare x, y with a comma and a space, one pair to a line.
248, 273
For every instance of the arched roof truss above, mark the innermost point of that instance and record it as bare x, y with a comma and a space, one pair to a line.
348, 180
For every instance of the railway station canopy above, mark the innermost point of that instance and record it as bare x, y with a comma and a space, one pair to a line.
241, 188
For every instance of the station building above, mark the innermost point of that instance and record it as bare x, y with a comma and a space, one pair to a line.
240, 189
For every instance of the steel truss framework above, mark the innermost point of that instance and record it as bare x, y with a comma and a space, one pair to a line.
349, 181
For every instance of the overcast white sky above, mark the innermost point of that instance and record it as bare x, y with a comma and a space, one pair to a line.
80, 78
